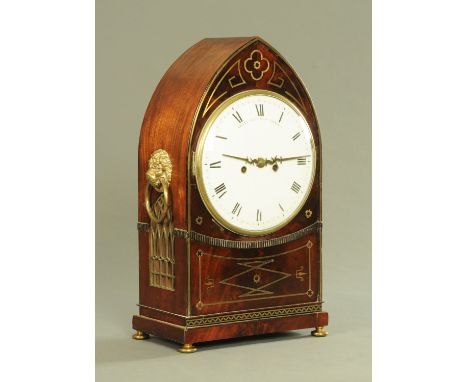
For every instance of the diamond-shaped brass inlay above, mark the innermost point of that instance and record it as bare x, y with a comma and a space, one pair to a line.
261, 276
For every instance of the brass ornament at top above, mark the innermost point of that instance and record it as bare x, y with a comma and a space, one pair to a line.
158, 176
256, 65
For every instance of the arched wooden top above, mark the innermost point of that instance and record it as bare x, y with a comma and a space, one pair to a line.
196, 83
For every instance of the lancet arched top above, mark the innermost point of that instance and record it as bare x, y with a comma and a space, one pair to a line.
196, 83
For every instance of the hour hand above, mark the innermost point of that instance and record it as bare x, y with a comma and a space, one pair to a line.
259, 162
245, 159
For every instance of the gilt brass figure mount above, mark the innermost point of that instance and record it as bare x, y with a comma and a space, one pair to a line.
158, 176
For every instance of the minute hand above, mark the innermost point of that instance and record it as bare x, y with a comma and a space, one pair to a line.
281, 159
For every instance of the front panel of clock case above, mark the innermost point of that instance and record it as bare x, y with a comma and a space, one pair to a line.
229, 279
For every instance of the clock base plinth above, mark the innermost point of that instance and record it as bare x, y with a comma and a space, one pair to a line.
319, 332
189, 335
139, 335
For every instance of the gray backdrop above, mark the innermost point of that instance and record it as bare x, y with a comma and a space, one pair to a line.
329, 44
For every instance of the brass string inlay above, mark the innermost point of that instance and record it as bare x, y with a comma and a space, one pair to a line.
277, 80
255, 315
234, 81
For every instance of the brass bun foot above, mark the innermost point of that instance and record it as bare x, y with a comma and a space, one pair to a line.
319, 332
187, 348
140, 335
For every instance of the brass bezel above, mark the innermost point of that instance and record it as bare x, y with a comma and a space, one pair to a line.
198, 164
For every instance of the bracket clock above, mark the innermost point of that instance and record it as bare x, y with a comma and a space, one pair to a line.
229, 198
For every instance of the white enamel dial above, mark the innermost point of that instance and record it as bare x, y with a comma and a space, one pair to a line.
255, 163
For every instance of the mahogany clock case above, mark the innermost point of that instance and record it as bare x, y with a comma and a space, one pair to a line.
213, 294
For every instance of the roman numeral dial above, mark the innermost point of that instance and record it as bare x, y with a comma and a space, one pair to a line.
296, 187
216, 164
220, 190
301, 161
254, 163
260, 111
237, 116
259, 215
237, 209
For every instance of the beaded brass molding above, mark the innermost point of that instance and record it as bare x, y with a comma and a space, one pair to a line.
255, 315
244, 244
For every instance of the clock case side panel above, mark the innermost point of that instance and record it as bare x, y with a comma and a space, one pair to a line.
232, 79
166, 125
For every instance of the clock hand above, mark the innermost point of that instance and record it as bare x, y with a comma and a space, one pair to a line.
245, 159
259, 162
262, 162
281, 159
